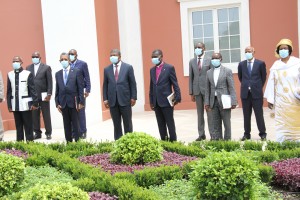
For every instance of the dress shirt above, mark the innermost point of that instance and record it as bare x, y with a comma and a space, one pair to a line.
216, 76
36, 68
201, 59
119, 67
158, 70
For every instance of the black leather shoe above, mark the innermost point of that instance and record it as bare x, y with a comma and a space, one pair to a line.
263, 138
48, 137
37, 136
245, 138
200, 138
83, 135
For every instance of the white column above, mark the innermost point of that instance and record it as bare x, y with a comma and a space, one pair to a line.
131, 45
71, 24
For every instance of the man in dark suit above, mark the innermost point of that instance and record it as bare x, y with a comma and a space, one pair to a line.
76, 63
42, 76
219, 82
252, 75
162, 80
69, 96
119, 92
198, 67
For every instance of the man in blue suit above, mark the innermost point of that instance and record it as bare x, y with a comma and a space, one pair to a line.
69, 96
76, 63
119, 92
252, 75
162, 80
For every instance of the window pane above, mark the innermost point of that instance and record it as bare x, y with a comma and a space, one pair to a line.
225, 56
235, 55
208, 30
223, 29
207, 17
233, 14
196, 41
234, 28
223, 15
234, 42
209, 43
197, 31
197, 17
224, 42
209, 53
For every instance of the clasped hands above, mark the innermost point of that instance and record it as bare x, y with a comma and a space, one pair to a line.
132, 102
79, 107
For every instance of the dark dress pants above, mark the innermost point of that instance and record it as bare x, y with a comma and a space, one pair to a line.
70, 118
257, 105
82, 119
45, 109
118, 113
23, 121
165, 118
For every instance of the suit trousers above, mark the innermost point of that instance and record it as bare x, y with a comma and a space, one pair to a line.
82, 119
117, 114
23, 121
218, 115
70, 118
45, 109
1, 127
257, 105
200, 113
165, 118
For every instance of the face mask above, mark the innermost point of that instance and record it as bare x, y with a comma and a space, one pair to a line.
283, 53
248, 56
155, 61
16, 65
216, 63
72, 57
198, 51
114, 59
64, 63
35, 60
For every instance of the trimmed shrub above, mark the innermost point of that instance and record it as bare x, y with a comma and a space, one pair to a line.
56, 191
224, 176
183, 150
11, 173
266, 173
136, 148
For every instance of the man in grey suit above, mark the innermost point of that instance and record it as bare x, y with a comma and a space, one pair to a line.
42, 76
119, 92
198, 67
219, 81
1, 100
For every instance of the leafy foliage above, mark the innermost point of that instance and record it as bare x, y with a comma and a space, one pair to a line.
136, 148
11, 173
55, 191
101, 196
224, 175
16, 152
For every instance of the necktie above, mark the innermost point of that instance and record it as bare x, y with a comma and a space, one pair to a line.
199, 64
116, 73
66, 76
72, 66
249, 68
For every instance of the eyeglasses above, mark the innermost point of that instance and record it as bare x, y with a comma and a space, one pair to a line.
35, 57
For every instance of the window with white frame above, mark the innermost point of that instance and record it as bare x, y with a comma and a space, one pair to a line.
220, 26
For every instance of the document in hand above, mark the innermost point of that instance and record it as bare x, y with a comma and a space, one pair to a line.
171, 98
44, 95
226, 101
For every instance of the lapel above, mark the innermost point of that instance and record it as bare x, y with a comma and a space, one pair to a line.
111, 72
162, 73
39, 69
121, 71
153, 74
254, 66
195, 65
71, 73
222, 73
31, 69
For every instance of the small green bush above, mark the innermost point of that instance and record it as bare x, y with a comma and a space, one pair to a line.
224, 175
55, 191
136, 148
11, 173
266, 173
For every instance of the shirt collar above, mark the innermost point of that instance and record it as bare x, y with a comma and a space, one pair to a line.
161, 64
119, 64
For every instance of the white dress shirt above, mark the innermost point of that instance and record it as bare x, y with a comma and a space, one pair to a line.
216, 76
36, 68
119, 67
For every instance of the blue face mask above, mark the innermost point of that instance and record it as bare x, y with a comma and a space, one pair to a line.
155, 61
283, 53
198, 51
114, 59
216, 63
72, 57
35, 60
64, 63
16, 65
248, 56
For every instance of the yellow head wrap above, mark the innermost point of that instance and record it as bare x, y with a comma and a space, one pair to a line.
281, 42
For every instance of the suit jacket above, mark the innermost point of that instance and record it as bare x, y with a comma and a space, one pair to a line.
197, 79
160, 90
72, 92
256, 81
42, 79
225, 85
124, 88
85, 74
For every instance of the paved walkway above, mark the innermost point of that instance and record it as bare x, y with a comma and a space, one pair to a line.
186, 127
